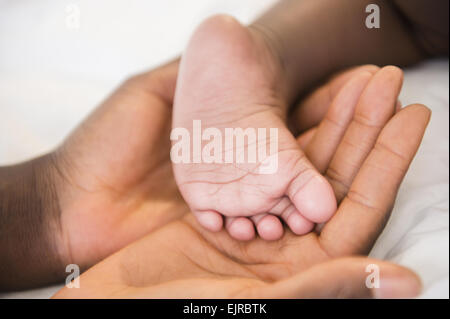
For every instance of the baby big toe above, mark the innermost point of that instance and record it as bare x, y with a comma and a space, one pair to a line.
313, 197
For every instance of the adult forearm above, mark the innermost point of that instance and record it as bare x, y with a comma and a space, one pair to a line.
29, 216
315, 38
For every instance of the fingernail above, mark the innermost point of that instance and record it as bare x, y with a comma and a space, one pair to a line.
398, 288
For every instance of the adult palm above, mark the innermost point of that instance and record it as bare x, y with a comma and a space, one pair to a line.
113, 173
363, 149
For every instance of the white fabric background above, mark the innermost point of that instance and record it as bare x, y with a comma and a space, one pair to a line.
52, 76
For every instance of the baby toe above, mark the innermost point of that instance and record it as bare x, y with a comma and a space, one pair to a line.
269, 226
210, 220
240, 228
297, 223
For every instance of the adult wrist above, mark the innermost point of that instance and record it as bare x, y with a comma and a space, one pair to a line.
30, 251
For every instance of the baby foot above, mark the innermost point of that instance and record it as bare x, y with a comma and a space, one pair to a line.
230, 81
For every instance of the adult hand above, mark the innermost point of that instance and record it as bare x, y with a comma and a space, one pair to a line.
114, 175
364, 150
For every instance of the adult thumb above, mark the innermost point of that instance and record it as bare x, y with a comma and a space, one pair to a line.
356, 277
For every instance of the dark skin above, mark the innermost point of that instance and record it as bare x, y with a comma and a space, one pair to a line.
314, 39
86, 185
29, 214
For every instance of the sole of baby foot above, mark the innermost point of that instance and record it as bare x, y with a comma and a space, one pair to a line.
229, 80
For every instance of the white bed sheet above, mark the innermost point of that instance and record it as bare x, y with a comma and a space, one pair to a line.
52, 76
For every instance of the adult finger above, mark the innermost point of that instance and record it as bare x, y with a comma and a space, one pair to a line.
310, 111
323, 145
365, 209
375, 107
305, 138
